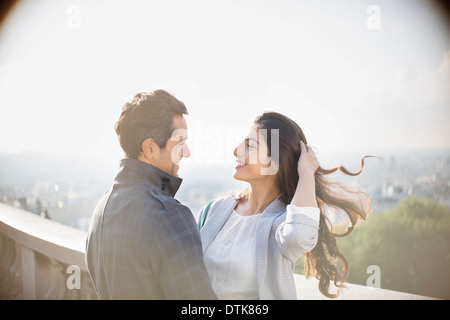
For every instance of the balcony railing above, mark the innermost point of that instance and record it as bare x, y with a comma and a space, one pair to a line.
43, 259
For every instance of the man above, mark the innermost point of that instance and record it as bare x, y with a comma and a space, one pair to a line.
142, 243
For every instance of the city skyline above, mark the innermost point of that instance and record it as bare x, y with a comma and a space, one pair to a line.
66, 189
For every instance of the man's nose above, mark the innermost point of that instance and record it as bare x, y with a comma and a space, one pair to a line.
186, 151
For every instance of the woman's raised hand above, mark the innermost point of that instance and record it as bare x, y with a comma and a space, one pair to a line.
308, 162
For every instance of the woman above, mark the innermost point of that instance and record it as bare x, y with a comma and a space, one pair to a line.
252, 240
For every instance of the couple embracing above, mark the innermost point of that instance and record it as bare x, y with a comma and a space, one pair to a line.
144, 244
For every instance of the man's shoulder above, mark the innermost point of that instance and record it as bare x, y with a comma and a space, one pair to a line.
149, 207
166, 203
155, 206
130, 206
175, 222
149, 211
144, 198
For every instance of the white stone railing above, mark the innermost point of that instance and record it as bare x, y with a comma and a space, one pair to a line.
43, 259
307, 289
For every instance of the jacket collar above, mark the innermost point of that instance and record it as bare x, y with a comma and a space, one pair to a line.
222, 210
136, 170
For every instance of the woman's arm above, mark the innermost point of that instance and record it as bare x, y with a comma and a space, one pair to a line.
298, 234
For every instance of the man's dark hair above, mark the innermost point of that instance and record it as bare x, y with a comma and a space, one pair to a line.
148, 115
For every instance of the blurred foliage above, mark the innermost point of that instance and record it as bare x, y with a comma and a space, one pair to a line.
411, 245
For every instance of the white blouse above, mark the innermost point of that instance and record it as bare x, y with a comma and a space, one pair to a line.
231, 259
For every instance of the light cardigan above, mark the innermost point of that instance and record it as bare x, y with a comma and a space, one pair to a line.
281, 237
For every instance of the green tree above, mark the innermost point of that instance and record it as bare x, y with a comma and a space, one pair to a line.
411, 245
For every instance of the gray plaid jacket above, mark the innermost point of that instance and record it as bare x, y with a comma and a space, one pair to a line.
144, 244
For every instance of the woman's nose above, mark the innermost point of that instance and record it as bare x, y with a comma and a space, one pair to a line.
239, 151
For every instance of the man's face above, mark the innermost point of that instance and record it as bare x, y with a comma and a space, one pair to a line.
176, 147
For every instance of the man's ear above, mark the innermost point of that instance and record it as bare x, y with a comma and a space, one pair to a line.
149, 150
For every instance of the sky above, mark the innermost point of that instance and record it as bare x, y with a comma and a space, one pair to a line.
360, 76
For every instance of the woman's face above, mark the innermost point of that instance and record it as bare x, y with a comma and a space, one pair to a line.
252, 160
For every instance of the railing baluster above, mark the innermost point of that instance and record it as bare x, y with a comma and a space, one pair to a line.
35, 254
28, 274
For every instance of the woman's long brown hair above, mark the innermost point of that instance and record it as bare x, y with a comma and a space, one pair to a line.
334, 200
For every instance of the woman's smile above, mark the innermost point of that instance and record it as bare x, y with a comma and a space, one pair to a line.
240, 164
